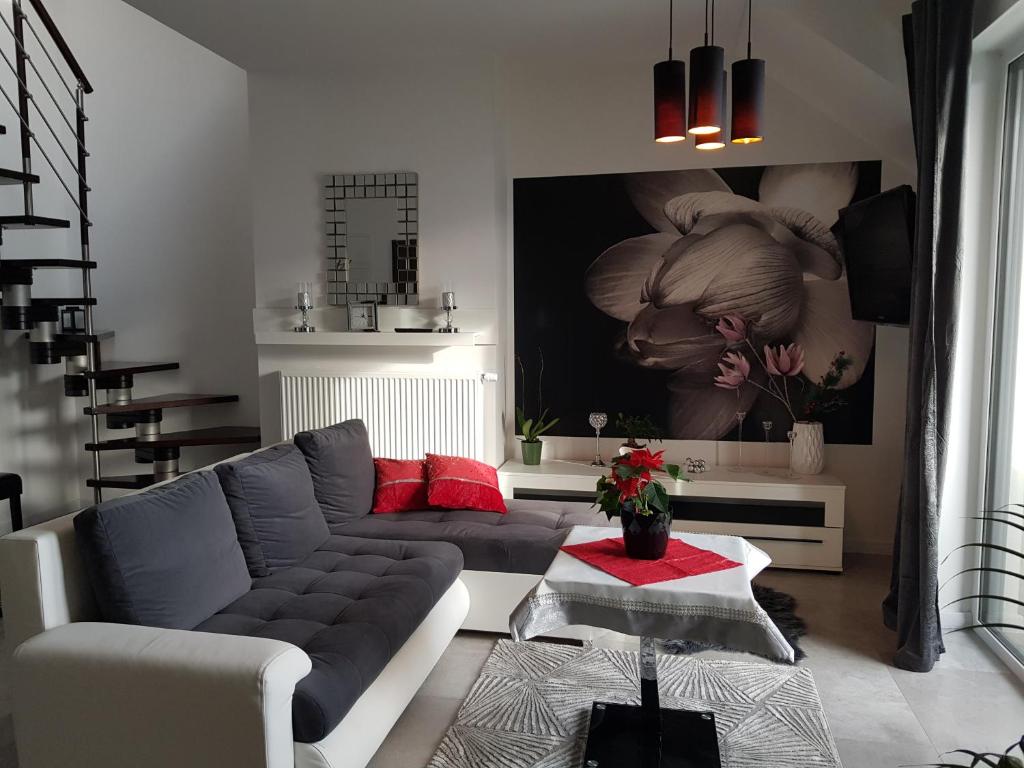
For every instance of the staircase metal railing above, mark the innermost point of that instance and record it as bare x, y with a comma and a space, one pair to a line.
26, 102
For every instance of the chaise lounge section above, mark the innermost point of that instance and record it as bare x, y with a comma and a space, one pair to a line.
504, 553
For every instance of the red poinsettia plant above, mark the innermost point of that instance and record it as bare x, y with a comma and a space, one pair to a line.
632, 485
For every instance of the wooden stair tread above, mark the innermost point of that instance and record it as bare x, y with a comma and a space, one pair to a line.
191, 437
159, 402
124, 482
90, 338
52, 301
123, 369
8, 176
33, 222
47, 264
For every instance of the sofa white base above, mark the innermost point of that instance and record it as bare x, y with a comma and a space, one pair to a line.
356, 738
494, 596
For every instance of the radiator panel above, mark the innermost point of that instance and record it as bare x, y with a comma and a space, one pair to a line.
406, 416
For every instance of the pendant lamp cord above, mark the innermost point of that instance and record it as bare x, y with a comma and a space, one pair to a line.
750, 13
670, 31
712, 22
706, 22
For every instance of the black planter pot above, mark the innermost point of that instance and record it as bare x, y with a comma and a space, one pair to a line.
645, 536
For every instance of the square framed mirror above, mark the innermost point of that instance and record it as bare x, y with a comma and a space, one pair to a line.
372, 229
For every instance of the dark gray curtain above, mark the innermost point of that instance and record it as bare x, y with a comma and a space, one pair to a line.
937, 39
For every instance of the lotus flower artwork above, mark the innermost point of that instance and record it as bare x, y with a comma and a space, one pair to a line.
735, 298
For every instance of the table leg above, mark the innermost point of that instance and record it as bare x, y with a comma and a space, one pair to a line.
627, 736
649, 701
650, 704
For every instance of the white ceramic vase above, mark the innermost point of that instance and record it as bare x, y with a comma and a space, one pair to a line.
808, 457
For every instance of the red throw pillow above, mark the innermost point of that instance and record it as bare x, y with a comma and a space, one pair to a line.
458, 483
401, 485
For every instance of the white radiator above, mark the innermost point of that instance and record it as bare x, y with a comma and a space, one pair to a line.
406, 416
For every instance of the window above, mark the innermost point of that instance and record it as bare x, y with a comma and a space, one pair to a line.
1003, 582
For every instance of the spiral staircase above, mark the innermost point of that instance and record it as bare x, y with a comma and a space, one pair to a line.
60, 329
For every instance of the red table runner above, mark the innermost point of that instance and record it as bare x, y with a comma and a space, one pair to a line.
680, 560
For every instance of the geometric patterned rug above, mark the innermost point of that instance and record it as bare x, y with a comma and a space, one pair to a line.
530, 707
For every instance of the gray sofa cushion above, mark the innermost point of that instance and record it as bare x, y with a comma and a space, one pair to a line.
351, 605
271, 497
524, 540
167, 557
341, 463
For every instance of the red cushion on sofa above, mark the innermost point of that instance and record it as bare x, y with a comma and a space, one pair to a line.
401, 485
458, 483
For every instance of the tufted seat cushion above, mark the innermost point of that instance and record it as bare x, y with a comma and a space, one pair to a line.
350, 606
524, 540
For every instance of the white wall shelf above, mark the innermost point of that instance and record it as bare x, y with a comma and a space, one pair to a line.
790, 545
364, 339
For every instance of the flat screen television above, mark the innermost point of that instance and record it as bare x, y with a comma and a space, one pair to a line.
877, 237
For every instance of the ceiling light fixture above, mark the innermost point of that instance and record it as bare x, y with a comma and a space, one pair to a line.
707, 95
714, 140
748, 81
670, 94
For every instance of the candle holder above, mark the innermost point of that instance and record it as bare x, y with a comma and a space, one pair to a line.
598, 421
304, 303
448, 305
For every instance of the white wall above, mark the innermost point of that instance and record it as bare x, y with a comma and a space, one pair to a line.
169, 170
442, 123
438, 120
471, 126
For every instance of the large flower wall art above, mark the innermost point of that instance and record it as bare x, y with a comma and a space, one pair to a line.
689, 296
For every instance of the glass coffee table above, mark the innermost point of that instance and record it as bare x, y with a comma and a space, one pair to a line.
717, 608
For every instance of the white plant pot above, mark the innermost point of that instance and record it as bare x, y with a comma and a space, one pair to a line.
808, 448
625, 450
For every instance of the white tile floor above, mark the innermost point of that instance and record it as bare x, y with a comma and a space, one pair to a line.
881, 717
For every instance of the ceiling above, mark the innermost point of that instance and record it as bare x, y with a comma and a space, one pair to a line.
314, 36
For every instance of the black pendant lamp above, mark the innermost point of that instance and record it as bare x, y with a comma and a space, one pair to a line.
747, 95
670, 95
707, 83
714, 140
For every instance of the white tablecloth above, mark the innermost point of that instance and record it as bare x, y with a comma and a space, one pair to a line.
715, 607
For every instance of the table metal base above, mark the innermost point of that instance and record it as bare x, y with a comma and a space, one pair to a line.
626, 736
620, 737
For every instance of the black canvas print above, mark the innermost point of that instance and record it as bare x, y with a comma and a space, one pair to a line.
689, 296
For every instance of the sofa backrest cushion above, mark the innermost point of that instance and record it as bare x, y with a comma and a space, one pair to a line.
168, 557
276, 514
341, 463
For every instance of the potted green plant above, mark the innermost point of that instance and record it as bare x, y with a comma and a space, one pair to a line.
1013, 522
531, 428
636, 428
992, 759
641, 502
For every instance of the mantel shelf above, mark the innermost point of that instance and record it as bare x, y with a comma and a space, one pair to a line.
370, 339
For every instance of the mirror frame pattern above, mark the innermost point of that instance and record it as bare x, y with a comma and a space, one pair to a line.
403, 187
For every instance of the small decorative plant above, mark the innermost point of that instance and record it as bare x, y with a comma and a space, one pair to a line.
637, 428
531, 428
631, 484
1014, 523
993, 759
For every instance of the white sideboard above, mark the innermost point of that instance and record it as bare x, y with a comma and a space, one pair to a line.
798, 520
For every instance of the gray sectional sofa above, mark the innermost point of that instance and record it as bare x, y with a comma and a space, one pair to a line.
304, 622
